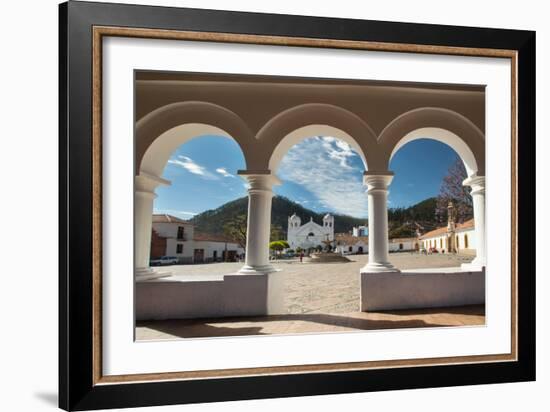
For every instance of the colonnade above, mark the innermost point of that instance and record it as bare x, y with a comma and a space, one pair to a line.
260, 194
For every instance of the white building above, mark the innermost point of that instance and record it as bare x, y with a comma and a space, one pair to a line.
360, 231
460, 240
404, 244
311, 234
172, 236
347, 244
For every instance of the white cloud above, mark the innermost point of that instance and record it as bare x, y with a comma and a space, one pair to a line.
322, 167
224, 172
188, 164
338, 150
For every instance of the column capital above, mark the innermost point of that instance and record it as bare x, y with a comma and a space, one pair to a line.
259, 180
147, 183
377, 180
477, 183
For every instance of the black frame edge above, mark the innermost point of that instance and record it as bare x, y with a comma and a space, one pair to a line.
526, 221
63, 378
76, 389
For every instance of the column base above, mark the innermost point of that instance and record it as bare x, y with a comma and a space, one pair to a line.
474, 266
149, 273
257, 270
379, 267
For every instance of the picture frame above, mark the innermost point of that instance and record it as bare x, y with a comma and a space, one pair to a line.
82, 26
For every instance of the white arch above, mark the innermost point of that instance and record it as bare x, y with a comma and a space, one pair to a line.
302, 133
157, 154
443, 136
162, 130
435, 123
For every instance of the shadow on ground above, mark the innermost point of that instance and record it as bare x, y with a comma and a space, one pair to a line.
471, 310
308, 323
199, 328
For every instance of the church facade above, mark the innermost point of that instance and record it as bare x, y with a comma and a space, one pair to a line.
310, 234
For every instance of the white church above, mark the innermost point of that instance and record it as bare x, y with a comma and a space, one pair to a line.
310, 234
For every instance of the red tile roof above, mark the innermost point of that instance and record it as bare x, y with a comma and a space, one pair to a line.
469, 224
168, 219
402, 239
348, 240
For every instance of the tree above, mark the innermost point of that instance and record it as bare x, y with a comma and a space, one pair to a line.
453, 190
278, 246
235, 228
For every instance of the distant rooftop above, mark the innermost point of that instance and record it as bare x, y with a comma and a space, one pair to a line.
469, 224
164, 218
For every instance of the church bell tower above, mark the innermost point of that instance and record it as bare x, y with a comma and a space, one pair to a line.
451, 227
294, 223
328, 225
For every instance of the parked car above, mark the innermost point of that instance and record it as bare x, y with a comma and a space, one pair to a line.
164, 260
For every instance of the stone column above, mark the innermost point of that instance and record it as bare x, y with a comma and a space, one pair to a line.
257, 263
260, 195
477, 183
377, 190
144, 196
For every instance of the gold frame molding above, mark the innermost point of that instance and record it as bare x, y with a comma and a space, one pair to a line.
102, 31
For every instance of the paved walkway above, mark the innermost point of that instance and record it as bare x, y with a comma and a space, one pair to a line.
318, 298
310, 323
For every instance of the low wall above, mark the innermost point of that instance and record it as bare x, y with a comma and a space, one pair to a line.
421, 289
209, 296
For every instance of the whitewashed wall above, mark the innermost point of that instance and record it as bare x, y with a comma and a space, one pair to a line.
345, 249
440, 242
408, 245
210, 246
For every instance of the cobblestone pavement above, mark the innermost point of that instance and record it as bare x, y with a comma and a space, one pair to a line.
326, 287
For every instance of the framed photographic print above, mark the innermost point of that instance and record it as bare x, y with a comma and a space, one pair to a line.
259, 205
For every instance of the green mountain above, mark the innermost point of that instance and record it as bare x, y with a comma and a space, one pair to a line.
406, 222
403, 222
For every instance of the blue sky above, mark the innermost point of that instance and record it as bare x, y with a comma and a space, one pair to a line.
321, 173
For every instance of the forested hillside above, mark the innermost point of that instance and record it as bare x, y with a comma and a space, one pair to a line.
403, 222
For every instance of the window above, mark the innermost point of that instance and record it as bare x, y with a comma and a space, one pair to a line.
465, 241
401, 246
179, 248
180, 232
350, 249
457, 242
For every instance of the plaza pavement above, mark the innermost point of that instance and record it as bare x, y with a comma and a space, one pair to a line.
318, 298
